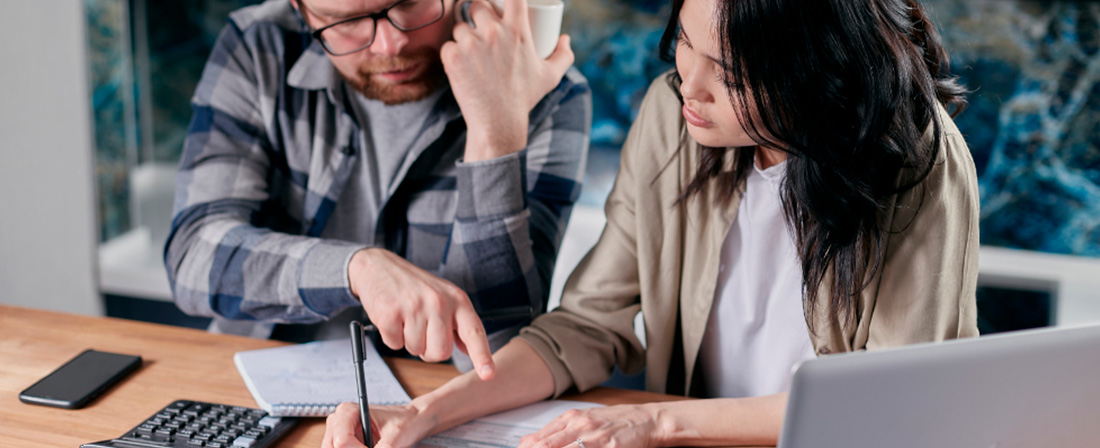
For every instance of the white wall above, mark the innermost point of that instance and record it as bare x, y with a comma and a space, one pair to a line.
47, 216
1074, 281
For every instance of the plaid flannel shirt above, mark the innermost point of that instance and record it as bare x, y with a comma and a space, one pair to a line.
271, 146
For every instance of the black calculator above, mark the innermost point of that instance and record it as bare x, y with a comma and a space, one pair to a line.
189, 424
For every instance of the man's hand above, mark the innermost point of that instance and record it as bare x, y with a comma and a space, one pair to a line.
497, 77
414, 309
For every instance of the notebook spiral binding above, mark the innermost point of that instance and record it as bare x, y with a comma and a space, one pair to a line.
302, 410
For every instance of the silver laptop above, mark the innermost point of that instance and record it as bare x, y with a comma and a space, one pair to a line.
1035, 388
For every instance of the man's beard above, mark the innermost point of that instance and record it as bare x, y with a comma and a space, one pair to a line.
431, 79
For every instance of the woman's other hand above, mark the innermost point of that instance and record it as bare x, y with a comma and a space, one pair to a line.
631, 426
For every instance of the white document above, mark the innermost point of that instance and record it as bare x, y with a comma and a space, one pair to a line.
503, 430
310, 380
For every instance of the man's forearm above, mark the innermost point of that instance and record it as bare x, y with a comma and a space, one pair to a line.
513, 208
491, 247
493, 143
225, 267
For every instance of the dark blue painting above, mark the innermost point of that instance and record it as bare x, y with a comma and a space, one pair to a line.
1033, 124
1034, 120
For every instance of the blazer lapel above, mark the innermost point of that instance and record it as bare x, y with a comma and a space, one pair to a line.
708, 222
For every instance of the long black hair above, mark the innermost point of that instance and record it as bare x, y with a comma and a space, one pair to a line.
847, 88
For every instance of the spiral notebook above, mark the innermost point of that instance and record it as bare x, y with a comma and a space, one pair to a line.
310, 380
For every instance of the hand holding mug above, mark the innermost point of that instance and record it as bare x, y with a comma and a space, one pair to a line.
497, 75
543, 15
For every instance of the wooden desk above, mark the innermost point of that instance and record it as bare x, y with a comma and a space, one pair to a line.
179, 363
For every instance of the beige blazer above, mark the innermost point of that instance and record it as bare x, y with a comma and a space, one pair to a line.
662, 258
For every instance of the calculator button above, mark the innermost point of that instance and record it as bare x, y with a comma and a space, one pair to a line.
244, 442
196, 442
216, 444
269, 421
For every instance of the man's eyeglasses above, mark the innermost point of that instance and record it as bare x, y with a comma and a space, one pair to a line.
356, 33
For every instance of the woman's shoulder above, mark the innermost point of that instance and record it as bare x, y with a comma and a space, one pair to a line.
658, 130
951, 153
952, 144
951, 183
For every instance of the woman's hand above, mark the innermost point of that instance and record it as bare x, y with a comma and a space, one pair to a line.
631, 426
497, 77
391, 426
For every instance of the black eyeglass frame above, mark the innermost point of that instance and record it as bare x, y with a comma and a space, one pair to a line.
375, 16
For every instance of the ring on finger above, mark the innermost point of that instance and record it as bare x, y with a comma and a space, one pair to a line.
464, 13
579, 443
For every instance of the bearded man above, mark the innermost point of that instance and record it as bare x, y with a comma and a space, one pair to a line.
378, 159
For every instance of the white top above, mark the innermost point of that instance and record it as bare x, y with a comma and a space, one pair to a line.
756, 332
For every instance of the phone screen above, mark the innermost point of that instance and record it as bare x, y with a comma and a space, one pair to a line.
81, 379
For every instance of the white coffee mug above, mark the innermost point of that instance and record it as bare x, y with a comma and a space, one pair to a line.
544, 17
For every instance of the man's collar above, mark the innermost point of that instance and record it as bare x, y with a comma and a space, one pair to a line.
313, 70
447, 107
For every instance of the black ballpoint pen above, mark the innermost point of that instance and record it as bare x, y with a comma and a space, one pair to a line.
361, 381
358, 354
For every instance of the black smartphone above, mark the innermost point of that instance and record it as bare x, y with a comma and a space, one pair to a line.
80, 380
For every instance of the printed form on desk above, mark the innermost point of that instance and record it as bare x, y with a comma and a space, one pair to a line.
503, 430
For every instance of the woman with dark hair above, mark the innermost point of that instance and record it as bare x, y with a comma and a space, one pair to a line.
795, 188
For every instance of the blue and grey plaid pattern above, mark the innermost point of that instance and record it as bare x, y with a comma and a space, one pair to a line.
271, 146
